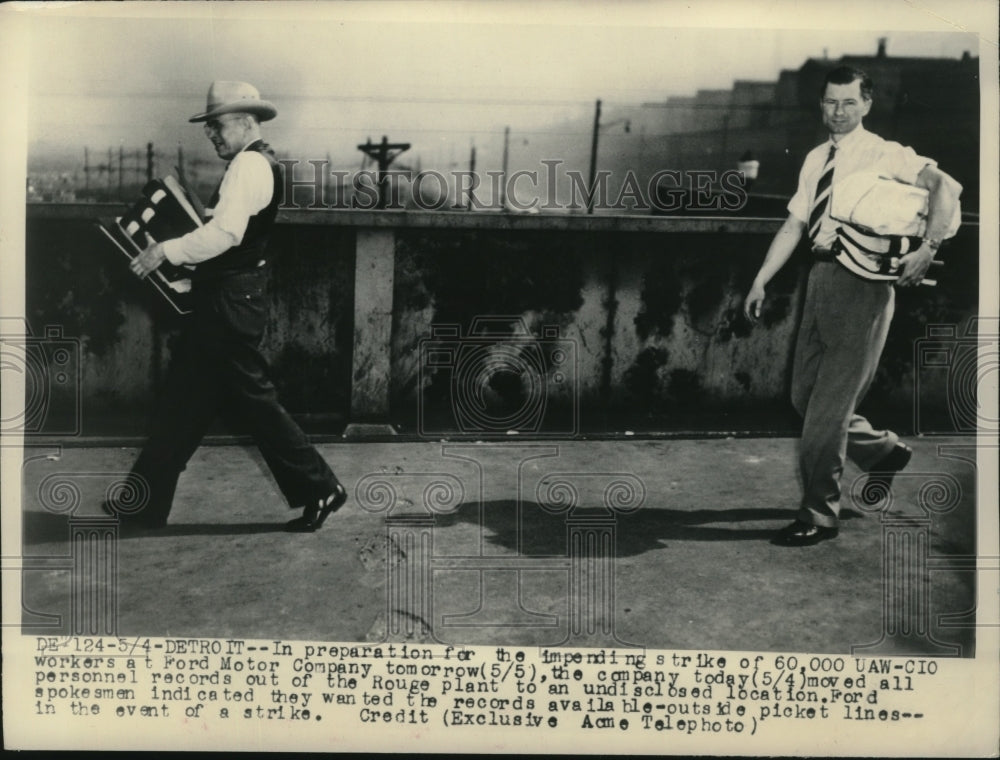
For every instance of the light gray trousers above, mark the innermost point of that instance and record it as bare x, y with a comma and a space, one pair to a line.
845, 321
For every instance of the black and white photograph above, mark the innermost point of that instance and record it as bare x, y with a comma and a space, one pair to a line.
571, 377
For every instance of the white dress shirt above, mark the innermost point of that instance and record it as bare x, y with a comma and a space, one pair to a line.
246, 189
859, 150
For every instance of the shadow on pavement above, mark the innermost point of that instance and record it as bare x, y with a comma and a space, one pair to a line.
45, 527
538, 532
541, 533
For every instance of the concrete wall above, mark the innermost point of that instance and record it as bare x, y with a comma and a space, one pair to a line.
638, 319
77, 280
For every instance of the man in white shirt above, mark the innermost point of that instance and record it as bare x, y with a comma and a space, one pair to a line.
846, 317
217, 366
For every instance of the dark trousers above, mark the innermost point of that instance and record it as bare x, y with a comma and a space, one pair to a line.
845, 321
218, 368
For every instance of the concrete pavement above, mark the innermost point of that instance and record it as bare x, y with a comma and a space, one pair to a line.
656, 543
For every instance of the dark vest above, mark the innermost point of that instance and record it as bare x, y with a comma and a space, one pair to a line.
250, 251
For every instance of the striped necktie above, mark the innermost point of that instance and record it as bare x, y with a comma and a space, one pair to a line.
822, 194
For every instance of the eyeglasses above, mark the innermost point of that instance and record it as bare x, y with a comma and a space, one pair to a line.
216, 125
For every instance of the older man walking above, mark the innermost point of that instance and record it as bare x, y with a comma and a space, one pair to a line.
218, 366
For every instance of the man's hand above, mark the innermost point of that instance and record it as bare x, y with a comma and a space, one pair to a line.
147, 261
754, 299
914, 266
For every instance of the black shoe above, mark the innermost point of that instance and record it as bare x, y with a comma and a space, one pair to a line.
314, 515
887, 467
803, 534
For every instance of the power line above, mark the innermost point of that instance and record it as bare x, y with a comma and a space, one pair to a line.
365, 98
516, 133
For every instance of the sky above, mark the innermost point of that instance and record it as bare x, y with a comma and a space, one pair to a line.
440, 76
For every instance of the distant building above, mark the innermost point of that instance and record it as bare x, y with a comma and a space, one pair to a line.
931, 104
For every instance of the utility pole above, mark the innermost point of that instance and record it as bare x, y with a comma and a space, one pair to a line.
326, 179
472, 173
593, 151
503, 178
86, 169
111, 170
724, 158
593, 157
149, 162
121, 170
384, 154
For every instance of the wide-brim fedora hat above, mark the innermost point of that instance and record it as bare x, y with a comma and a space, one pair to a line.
235, 97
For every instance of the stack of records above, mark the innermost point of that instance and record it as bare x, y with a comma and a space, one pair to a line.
162, 213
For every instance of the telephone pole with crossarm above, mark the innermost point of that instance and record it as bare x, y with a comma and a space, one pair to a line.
384, 153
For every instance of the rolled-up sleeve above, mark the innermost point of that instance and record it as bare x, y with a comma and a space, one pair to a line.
902, 163
798, 206
247, 187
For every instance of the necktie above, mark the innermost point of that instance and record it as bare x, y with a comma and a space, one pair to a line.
822, 194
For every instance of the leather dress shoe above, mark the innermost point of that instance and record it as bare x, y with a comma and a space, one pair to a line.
887, 467
803, 534
314, 515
